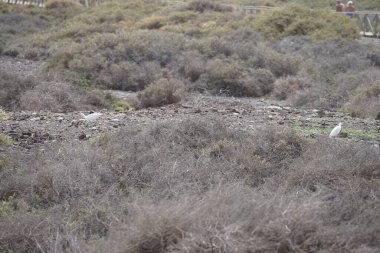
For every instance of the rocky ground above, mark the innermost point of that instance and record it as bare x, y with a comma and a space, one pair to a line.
33, 129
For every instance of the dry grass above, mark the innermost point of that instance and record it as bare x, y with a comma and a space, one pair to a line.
194, 186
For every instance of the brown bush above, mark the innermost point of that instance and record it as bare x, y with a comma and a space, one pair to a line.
162, 92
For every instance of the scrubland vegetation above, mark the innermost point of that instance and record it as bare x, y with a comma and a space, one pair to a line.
307, 57
193, 185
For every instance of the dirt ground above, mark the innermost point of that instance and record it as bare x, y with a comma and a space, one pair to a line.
33, 129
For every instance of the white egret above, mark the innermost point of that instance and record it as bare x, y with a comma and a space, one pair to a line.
336, 130
91, 117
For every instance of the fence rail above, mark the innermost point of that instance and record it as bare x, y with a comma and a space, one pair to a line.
369, 24
39, 3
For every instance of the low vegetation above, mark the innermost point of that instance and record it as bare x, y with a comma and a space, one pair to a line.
193, 185
297, 20
37, 93
306, 57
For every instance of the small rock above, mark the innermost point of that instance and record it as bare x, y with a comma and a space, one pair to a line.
82, 136
378, 116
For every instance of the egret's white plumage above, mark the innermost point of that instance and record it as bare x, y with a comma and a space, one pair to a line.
91, 117
336, 130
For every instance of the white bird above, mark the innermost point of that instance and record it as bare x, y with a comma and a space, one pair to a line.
336, 130
91, 117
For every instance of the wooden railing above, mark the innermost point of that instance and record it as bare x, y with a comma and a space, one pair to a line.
39, 3
369, 23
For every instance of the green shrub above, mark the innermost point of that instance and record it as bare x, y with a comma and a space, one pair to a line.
5, 160
5, 139
162, 92
6, 207
3, 115
297, 20
121, 106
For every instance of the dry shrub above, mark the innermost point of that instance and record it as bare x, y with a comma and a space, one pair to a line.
336, 56
128, 76
366, 101
223, 74
59, 96
61, 4
233, 218
12, 87
191, 65
257, 83
26, 232
337, 165
153, 22
128, 61
374, 57
206, 5
283, 87
162, 92
279, 64
194, 185
230, 77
